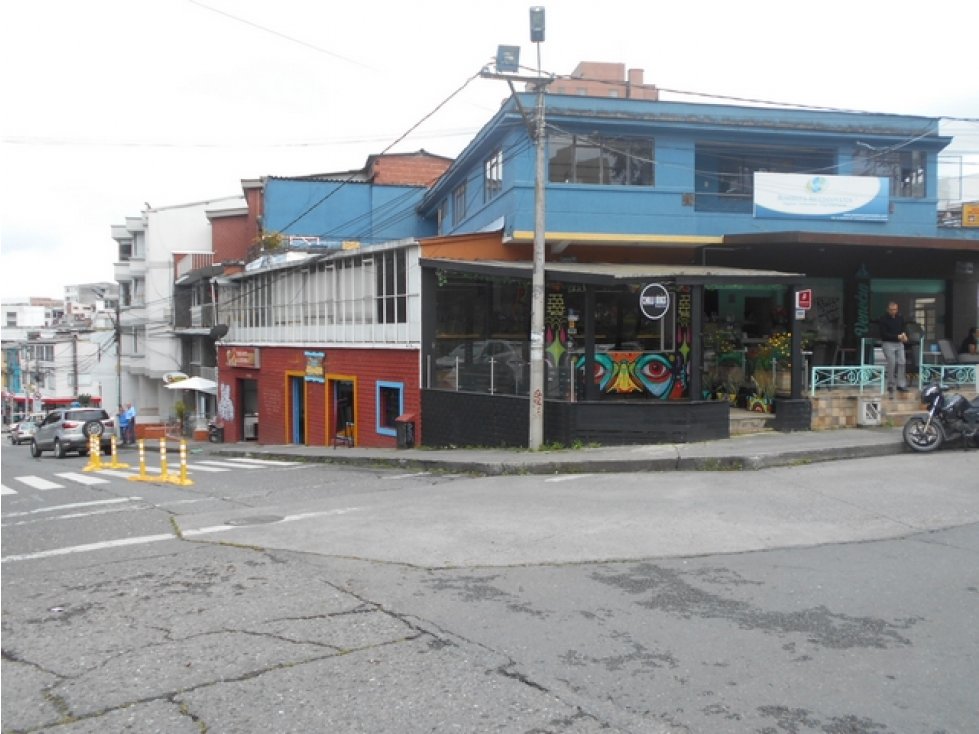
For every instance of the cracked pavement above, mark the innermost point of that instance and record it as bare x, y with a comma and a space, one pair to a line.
218, 639
868, 630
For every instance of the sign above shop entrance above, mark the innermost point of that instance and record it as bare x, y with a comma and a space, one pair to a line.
654, 301
247, 357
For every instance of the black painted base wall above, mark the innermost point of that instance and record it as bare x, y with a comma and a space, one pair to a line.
792, 415
474, 419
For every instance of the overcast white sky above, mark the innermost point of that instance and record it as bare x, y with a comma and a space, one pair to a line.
109, 104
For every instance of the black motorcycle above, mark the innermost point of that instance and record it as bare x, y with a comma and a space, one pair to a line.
949, 417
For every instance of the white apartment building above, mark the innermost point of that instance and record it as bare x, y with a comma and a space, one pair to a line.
149, 247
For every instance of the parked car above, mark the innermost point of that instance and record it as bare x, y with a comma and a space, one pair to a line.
507, 359
23, 432
70, 429
499, 350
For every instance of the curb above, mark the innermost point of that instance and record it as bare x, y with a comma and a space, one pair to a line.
594, 465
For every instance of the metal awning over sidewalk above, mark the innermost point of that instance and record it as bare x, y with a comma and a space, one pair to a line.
618, 273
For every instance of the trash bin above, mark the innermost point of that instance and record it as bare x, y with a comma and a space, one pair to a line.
405, 427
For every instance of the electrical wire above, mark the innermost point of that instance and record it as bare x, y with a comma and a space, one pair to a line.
389, 147
266, 29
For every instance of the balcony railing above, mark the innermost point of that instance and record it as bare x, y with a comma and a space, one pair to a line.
202, 317
869, 374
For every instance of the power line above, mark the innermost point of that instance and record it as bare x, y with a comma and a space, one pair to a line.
266, 29
389, 147
35, 140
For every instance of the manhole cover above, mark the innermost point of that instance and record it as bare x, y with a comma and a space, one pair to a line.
254, 520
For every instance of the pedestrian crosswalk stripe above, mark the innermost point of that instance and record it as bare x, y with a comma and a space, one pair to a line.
199, 467
225, 464
260, 462
116, 473
82, 478
7, 490
208, 465
73, 506
175, 468
39, 483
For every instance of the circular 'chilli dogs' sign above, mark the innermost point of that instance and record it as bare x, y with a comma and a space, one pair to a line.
654, 301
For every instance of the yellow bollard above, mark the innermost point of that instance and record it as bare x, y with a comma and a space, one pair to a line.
115, 463
94, 454
164, 473
142, 476
182, 479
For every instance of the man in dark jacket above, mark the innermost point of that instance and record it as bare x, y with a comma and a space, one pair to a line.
894, 335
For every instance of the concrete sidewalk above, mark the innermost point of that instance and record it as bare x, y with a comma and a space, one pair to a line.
754, 451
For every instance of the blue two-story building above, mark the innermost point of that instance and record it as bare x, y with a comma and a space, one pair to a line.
722, 212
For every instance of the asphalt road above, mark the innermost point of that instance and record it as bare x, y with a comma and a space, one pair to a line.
280, 597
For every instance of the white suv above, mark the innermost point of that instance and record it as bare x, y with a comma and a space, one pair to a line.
70, 429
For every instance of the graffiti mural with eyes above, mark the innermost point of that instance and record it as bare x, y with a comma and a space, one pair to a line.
636, 372
655, 372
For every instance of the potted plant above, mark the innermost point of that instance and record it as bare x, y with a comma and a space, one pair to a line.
774, 357
763, 400
180, 410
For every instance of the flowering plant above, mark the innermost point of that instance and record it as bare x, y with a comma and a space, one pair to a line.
777, 348
719, 338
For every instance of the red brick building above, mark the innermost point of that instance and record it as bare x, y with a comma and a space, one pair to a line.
322, 341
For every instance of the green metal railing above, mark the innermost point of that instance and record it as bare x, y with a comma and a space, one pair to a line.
869, 376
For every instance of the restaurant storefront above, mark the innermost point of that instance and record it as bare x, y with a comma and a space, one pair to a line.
635, 329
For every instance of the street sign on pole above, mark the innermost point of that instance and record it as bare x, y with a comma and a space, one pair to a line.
803, 299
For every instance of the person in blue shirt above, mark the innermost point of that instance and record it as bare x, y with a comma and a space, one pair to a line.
129, 435
123, 422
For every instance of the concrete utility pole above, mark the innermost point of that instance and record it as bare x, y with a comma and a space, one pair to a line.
536, 437
117, 333
508, 60
74, 363
118, 330
536, 422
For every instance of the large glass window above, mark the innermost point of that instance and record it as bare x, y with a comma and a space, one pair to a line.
482, 338
726, 173
904, 168
594, 159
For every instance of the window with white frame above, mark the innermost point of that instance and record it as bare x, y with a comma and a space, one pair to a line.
42, 352
493, 176
391, 275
